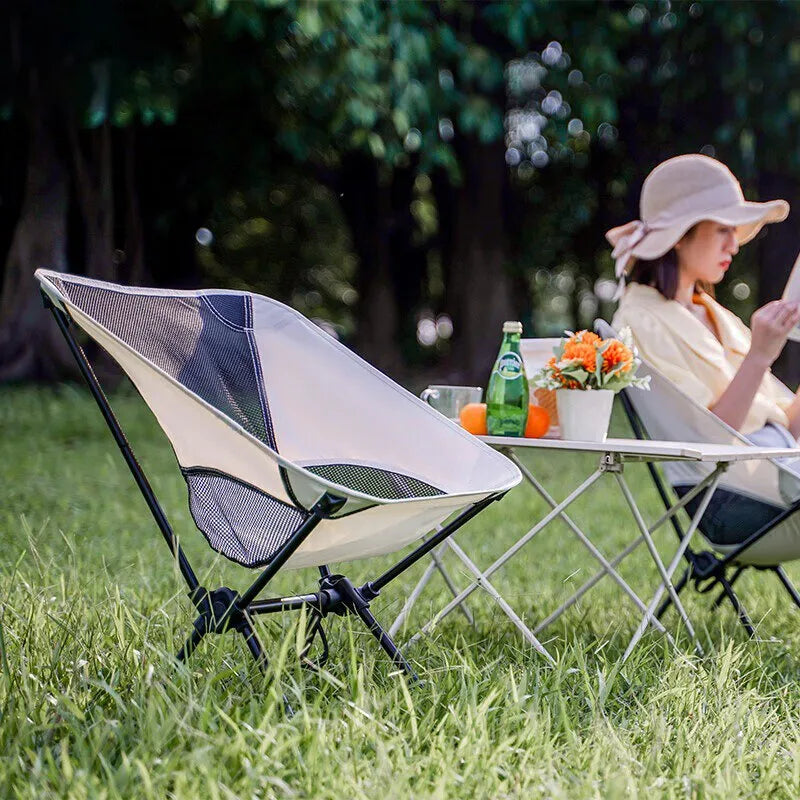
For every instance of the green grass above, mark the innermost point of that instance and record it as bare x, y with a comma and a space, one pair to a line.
93, 704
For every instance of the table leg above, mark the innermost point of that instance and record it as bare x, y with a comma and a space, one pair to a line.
488, 587
637, 515
608, 568
623, 554
714, 479
521, 542
433, 565
436, 555
595, 579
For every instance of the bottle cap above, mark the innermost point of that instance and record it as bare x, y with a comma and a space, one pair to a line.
512, 327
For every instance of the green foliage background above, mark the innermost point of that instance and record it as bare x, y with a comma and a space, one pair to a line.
311, 137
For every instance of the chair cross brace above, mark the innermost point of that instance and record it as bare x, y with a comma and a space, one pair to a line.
221, 610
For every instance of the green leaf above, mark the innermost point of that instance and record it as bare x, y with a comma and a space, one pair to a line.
376, 146
401, 122
309, 19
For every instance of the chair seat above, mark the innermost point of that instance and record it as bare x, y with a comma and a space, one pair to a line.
266, 413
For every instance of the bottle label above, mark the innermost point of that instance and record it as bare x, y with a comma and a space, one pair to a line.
509, 366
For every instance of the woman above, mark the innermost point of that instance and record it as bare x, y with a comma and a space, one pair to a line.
694, 218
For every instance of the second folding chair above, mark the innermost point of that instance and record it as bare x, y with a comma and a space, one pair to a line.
753, 520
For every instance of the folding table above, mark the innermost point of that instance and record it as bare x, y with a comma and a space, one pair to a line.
613, 454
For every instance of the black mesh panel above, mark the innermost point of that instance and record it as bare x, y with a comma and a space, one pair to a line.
205, 342
730, 517
240, 521
374, 481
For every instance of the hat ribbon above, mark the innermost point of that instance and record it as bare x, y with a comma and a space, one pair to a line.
625, 238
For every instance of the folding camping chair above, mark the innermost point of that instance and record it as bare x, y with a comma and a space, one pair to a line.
751, 520
295, 451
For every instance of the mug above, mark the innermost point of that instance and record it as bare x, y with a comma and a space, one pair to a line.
449, 400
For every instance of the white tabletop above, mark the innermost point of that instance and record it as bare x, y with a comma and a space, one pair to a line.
648, 450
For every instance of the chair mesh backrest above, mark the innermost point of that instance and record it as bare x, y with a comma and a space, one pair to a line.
209, 349
374, 481
751, 494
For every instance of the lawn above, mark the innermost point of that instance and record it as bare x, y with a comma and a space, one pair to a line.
94, 705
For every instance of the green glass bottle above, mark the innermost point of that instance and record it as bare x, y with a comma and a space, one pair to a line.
507, 394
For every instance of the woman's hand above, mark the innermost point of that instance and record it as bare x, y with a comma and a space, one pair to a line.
769, 327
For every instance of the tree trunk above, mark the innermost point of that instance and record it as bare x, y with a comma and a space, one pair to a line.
478, 290
31, 346
95, 191
366, 204
778, 250
408, 258
134, 270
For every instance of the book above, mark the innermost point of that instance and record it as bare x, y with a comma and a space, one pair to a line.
792, 292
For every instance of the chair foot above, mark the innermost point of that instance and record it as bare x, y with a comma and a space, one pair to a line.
721, 597
314, 628
386, 642
191, 643
219, 613
245, 627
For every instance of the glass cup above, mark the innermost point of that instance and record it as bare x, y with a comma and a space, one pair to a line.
449, 400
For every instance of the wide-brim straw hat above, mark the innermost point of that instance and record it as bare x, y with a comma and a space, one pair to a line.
679, 193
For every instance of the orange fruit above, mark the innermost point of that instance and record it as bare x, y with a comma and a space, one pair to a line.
473, 418
538, 422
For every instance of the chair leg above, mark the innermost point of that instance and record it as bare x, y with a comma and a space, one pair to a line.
253, 644
385, 641
245, 627
191, 643
740, 612
314, 628
679, 587
722, 595
788, 585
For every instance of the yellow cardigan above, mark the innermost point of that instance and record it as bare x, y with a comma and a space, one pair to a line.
678, 344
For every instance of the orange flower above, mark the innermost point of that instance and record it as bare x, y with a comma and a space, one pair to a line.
585, 337
585, 353
617, 353
567, 383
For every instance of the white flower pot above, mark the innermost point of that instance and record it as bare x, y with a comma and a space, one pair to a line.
584, 415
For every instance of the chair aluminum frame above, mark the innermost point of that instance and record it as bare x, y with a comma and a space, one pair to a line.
224, 609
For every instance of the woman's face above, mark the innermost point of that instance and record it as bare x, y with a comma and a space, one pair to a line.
705, 253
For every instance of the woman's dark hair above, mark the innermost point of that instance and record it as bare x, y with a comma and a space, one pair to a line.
662, 273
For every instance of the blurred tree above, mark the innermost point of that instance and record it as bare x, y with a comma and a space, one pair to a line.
371, 162
68, 75
376, 92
